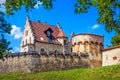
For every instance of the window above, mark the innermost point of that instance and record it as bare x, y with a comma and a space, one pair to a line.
42, 49
48, 33
65, 43
26, 32
23, 43
114, 58
30, 39
30, 49
24, 49
106, 57
26, 41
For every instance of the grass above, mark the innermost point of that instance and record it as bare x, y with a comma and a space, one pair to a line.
101, 73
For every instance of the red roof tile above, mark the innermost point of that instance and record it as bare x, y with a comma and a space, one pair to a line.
112, 47
39, 32
61, 34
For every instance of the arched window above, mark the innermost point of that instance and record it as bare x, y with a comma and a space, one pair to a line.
24, 49
26, 32
65, 42
23, 43
26, 41
86, 47
30, 49
96, 48
30, 39
42, 49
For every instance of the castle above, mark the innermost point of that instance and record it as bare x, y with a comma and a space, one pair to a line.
41, 37
44, 47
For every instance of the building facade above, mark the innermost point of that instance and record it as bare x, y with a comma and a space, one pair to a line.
111, 56
39, 36
91, 44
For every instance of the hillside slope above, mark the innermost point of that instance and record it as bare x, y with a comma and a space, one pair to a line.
101, 73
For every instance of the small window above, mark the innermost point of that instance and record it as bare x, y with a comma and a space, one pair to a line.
26, 41
42, 49
115, 58
24, 49
65, 43
23, 43
30, 49
106, 57
48, 33
26, 32
30, 39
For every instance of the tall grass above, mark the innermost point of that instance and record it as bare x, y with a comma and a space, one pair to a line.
101, 73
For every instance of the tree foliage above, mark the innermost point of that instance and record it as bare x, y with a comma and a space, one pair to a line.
116, 39
4, 28
15, 5
108, 11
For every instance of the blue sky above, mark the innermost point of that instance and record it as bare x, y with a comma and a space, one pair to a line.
62, 12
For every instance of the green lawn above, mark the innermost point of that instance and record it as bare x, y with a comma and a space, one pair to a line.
101, 73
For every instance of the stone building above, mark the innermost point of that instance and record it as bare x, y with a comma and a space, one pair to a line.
90, 44
39, 36
111, 56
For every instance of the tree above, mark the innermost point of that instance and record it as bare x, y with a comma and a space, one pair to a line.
108, 10
116, 39
15, 5
4, 28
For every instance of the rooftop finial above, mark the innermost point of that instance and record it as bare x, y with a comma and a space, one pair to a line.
58, 25
27, 18
72, 34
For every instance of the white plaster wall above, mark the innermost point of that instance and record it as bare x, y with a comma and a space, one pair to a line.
107, 57
24, 37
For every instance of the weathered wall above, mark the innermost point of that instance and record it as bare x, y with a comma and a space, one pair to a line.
47, 47
111, 56
91, 44
33, 62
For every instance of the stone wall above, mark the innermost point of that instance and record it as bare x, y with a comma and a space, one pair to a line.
34, 62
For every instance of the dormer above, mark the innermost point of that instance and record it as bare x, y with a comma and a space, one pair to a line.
48, 32
49, 36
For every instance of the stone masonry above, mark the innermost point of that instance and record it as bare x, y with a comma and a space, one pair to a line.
34, 62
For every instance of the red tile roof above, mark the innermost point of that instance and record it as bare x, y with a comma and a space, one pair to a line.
61, 34
112, 47
39, 32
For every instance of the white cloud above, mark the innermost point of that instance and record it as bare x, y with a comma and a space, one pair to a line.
17, 49
95, 26
16, 32
2, 1
38, 4
2, 7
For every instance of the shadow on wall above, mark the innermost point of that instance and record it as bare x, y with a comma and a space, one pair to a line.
33, 62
